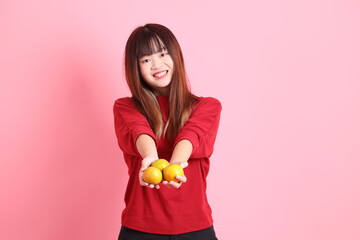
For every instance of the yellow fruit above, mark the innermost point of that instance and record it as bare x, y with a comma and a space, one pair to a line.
170, 172
160, 164
152, 175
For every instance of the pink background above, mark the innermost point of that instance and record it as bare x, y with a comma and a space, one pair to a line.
286, 163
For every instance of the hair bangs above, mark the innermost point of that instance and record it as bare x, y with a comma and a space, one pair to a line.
149, 44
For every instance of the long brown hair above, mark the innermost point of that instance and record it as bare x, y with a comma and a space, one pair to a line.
146, 40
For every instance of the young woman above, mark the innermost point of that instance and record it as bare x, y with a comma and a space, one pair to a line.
163, 119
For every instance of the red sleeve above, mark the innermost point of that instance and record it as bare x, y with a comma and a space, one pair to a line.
129, 125
201, 128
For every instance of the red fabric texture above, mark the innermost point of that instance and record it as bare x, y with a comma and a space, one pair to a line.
164, 210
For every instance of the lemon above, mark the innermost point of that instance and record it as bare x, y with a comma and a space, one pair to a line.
171, 171
160, 164
152, 175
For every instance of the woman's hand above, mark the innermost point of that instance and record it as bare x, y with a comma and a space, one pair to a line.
145, 163
182, 179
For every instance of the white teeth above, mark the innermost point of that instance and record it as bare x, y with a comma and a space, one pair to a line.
160, 74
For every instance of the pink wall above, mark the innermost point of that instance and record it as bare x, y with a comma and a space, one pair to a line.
286, 164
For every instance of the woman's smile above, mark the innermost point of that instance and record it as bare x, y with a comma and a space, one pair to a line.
160, 75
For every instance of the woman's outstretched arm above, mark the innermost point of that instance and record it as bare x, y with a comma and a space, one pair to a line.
146, 147
180, 155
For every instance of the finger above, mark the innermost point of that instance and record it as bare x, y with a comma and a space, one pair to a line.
144, 184
141, 180
166, 183
181, 178
175, 184
151, 186
157, 186
184, 164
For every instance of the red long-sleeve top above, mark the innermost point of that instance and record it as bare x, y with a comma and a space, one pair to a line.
168, 210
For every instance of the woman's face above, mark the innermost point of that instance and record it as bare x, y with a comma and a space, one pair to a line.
157, 70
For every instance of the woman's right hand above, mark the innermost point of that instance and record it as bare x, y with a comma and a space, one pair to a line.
145, 163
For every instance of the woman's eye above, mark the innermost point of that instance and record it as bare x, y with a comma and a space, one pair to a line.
145, 61
163, 54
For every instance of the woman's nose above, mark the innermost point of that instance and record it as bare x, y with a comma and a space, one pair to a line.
156, 63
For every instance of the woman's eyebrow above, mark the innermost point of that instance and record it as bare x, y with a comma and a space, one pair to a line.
161, 49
